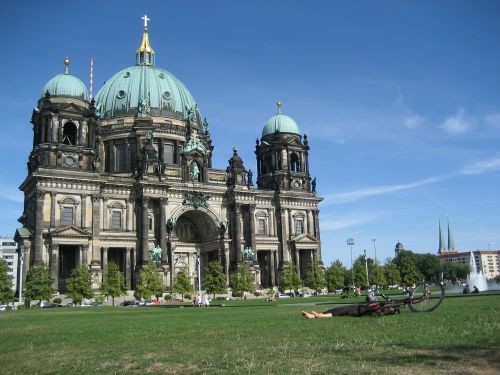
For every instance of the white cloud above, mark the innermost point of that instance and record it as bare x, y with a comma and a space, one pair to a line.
414, 121
11, 195
356, 195
347, 221
456, 124
493, 119
483, 166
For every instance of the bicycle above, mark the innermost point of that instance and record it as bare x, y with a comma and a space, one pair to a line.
426, 297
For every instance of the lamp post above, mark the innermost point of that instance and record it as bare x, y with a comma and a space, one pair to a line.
350, 243
198, 261
366, 269
21, 263
375, 249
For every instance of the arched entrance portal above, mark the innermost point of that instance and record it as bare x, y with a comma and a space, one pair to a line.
196, 231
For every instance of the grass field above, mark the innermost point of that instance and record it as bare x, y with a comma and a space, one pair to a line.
251, 337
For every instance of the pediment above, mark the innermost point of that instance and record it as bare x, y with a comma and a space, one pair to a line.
70, 231
72, 108
304, 239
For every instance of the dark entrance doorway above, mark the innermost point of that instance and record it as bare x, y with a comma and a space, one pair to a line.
67, 261
117, 256
264, 259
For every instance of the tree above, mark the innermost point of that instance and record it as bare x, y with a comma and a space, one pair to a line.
334, 276
215, 282
429, 266
38, 283
315, 278
113, 284
290, 278
408, 268
183, 284
148, 283
79, 285
6, 294
242, 279
377, 275
392, 274
359, 270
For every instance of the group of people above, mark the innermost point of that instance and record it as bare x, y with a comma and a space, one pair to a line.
201, 300
467, 290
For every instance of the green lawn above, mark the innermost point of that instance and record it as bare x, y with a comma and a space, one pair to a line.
251, 337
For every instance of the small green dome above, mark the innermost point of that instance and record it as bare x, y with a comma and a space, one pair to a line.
65, 85
122, 94
280, 123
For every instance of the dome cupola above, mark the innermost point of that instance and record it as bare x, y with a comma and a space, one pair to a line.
145, 89
65, 85
280, 123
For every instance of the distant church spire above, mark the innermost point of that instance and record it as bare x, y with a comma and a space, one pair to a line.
451, 242
442, 248
145, 54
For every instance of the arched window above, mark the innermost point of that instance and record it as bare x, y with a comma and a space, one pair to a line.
69, 133
294, 163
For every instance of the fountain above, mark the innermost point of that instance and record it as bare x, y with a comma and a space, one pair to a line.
476, 278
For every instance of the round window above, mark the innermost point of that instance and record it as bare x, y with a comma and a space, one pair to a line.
120, 94
69, 161
166, 95
127, 74
161, 75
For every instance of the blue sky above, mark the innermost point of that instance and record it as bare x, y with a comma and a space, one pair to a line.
400, 99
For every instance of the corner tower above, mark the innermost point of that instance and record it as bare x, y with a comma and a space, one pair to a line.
282, 155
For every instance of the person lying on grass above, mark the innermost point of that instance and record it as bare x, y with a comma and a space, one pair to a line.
370, 308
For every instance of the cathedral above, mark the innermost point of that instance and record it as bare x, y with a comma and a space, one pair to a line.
127, 177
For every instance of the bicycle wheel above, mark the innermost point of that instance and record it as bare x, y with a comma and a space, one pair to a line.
426, 297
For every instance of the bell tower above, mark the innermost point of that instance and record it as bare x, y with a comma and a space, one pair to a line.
64, 126
282, 155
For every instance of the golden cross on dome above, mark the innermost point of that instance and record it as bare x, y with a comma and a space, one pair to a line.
146, 19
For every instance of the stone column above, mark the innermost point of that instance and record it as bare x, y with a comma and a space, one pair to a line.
226, 264
316, 230
145, 231
129, 215
105, 214
105, 257
128, 270
54, 265
238, 256
284, 236
85, 256
271, 267
252, 232
297, 260
84, 211
291, 229
272, 228
78, 256
96, 230
53, 195
163, 230
310, 223
40, 197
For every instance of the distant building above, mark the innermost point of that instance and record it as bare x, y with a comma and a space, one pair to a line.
487, 261
398, 249
8, 252
451, 243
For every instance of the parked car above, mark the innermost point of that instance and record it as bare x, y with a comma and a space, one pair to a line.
47, 304
128, 303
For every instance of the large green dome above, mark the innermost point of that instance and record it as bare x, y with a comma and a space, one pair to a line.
65, 85
280, 123
166, 95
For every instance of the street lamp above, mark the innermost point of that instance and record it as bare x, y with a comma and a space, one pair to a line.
366, 269
375, 248
350, 243
21, 262
198, 261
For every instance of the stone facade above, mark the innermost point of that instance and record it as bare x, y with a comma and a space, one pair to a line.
106, 189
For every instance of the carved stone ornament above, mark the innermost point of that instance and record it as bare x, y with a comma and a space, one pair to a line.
196, 199
223, 226
171, 223
155, 253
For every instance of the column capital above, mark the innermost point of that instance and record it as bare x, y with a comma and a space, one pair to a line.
96, 198
252, 208
40, 194
145, 200
163, 202
53, 194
